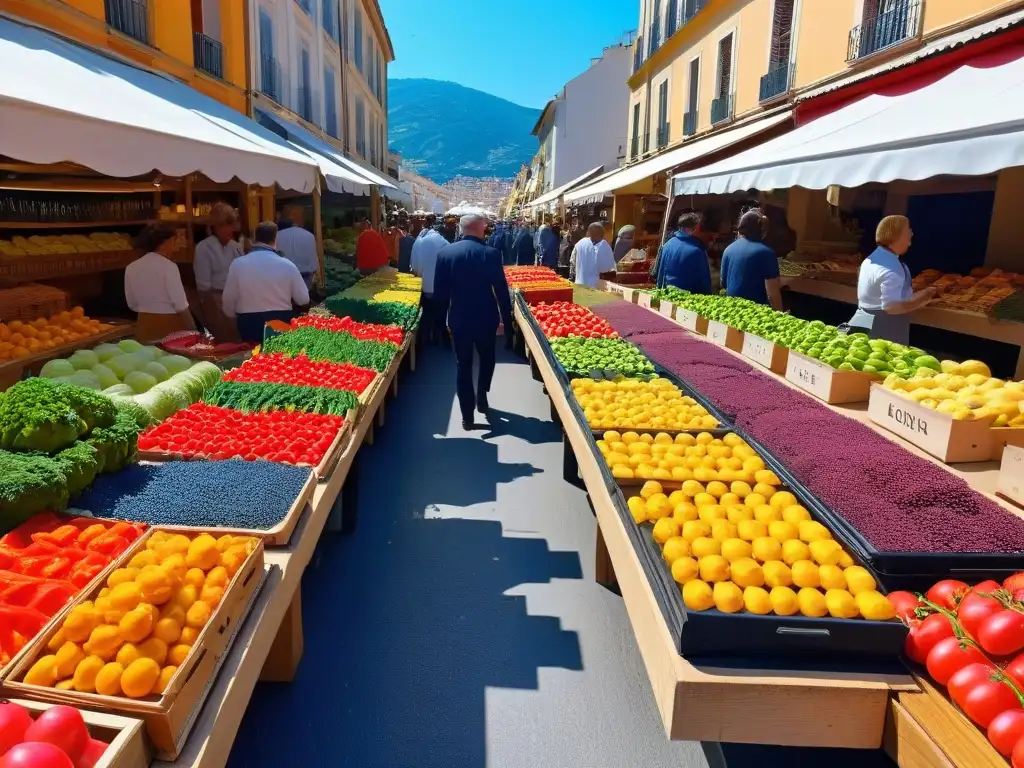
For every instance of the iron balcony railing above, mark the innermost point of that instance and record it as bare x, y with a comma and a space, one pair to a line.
884, 30
130, 17
663, 132
721, 108
690, 123
777, 81
304, 100
638, 53
208, 54
270, 78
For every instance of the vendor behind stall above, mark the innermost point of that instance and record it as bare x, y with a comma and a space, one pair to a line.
371, 251
263, 286
885, 296
153, 287
750, 269
212, 260
683, 262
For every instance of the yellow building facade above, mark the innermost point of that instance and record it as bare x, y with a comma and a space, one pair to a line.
200, 42
367, 51
701, 65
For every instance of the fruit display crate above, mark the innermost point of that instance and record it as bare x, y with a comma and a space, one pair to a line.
124, 736
691, 321
827, 383
168, 716
723, 335
765, 353
646, 300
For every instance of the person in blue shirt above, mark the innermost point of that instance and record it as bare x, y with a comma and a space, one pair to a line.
684, 262
750, 269
547, 245
522, 248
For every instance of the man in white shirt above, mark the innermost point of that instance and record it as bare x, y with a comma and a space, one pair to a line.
263, 286
212, 259
423, 264
298, 244
591, 257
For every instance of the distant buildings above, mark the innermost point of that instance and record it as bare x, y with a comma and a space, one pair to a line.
426, 195
487, 192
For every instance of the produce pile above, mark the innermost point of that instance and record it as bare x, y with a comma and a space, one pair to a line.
387, 285
728, 545
251, 495
966, 391
971, 641
636, 404
334, 347
400, 313
209, 432
623, 318
54, 439
157, 383
20, 339
582, 356
338, 275
254, 398
362, 331
201, 346
131, 638
538, 284
277, 367
563, 318
588, 297
57, 738
44, 563
979, 291
897, 501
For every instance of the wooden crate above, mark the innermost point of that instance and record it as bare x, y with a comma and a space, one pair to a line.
647, 301
667, 309
937, 434
691, 321
826, 383
765, 353
723, 335
1010, 482
168, 716
125, 736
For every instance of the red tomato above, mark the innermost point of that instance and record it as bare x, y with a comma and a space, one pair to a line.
924, 635
946, 593
1017, 761
905, 604
34, 754
61, 726
986, 699
960, 683
949, 656
1015, 670
14, 721
1014, 582
93, 752
1005, 730
974, 609
1002, 633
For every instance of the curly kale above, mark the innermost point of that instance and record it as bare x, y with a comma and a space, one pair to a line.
80, 464
117, 445
256, 397
29, 483
42, 415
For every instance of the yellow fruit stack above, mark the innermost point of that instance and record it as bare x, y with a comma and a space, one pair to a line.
965, 391
636, 404
736, 547
702, 457
132, 638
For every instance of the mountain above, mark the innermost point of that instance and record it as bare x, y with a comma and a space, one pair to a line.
444, 129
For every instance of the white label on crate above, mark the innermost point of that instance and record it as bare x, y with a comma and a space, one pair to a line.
644, 300
1011, 474
667, 308
759, 350
718, 333
810, 375
687, 318
913, 422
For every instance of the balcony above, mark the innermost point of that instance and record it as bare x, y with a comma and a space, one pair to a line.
305, 98
690, 123
776, 82
721, 109
662, 137
270, 78
130, 17
638, 52
330, 19
884, 30
208, 54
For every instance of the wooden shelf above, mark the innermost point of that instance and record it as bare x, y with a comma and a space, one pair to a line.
71, 224
12, 371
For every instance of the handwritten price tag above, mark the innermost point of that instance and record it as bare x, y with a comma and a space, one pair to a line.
718, 333
688, 319
810, 375
668, 309
759, 350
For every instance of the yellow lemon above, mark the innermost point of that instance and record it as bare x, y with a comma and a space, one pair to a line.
825, 551
745, 572
677, 497
651, 487
714, 568
784, 601
723, 529
859, 580
795, 514
665, 529
794, 550
705, 546
783, 499
757, 600
684, 512
782, 531
695, 529
737, 514
741, 488
684, 569
735, 549
692, 488
140, 676
698, 595
812, 530
729, 499
658, 508
728, 597
841, 604
108, 679
84, 679
717, 489
874, 606
777, 574
831, 577
811, 602
749, 530
765, 548
637, 508
675, 548
755, 500
765, 513
704, 499
805, 574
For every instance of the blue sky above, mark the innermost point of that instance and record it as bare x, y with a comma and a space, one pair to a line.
520, 50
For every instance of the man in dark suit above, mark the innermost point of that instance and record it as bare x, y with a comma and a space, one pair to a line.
522, 246
469, 282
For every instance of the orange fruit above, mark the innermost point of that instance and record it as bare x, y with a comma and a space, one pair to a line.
140, 677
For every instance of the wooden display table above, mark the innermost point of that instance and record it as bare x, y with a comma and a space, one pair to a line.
13, 371
759, 706
956, 320
269, 642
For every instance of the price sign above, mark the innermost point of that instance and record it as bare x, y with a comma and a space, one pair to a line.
718, 333
759, 350
689, 319
810, 375
668, 309
1011, 474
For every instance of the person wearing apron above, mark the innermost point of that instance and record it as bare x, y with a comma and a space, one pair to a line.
212, 258
153, 287
885, 295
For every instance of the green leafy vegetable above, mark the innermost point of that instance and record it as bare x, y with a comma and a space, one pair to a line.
42, 415
264, 397
381, 312
29, 483
334, 346
117, 445
80, 464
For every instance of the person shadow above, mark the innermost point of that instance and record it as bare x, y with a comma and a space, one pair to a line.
528, 428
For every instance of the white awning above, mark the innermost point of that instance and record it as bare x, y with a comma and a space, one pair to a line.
70, 104
339, 178
969, 123
686, 153
554, 194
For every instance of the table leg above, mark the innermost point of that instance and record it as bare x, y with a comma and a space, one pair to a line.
604, 571
394, 386
380, 414
368, 436
285, 654
570, 466
412, 352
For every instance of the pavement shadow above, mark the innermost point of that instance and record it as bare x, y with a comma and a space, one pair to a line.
530, 429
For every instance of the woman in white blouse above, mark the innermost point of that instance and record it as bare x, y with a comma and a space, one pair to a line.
213, 257
153, 287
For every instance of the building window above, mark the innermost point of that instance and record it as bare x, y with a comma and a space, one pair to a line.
721, 107
647, 123
776, 81
270, 70
130, 17
360, 127
305, 95
330, 104
368, 65
672, 18
654, 34
373, 140
305, 6
884, 23
330, 18
383, 150
634, 148
692, 96
357, 39
663, 114
380, 60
